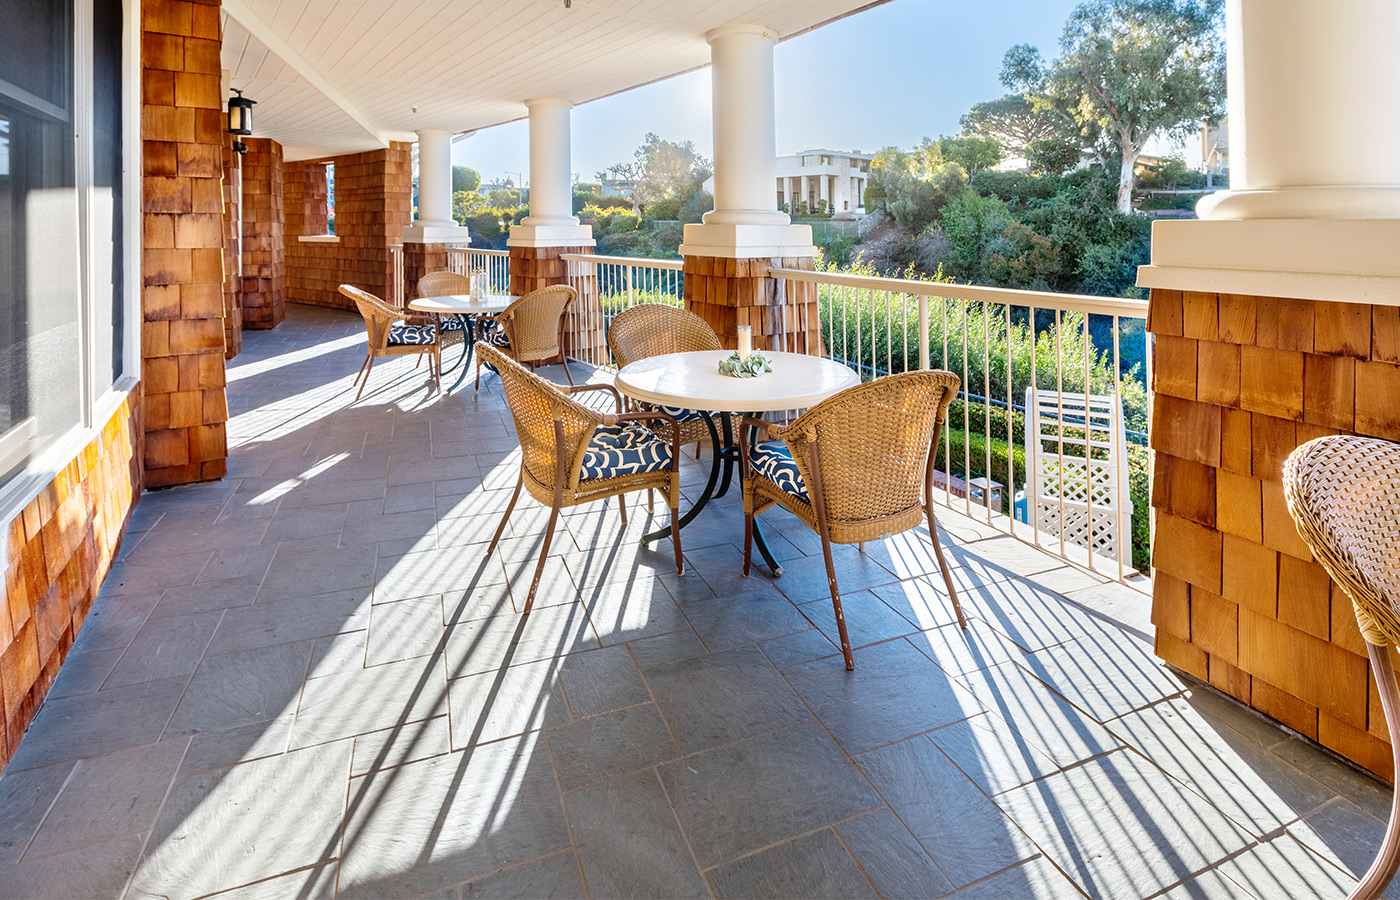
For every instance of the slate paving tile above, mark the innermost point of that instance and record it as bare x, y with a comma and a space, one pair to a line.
354, 702
237, 562
284, 620
722, 697
921, 602
552, 878
1106, 674
404, 629
393, 747
316, 883
1344, 835
338, 653
814, 865
25, 798
894, 692
735, 799
967, 834
629, 842
603, 746
492, 806
115, 619
411, 525
1031, 616
1037, 878
164, 648
799, 647
511, 701
243, 743
957, 650
88, 724
994, 754
1005, 555
636, 609
109, 796
654, 651
892, 858
97, 871
1282, 867
208, 596
242, 688
601, 680
735, 621
806, 579
418, 574
1046, 720
312, 521
83, 672
326, 571
222, 829
868, 619
1246, 782
1120, 827
1361, 789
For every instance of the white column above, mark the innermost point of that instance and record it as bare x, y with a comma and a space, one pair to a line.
434, 223
551, 222
842, 186
744, 222
1314, 97
824, 190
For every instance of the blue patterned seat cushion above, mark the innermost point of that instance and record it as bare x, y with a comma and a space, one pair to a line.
452, 323
497, 338
625, 449
401, 333
682, 415
774, 461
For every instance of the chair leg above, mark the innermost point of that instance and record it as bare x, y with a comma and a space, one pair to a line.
369, 360
943, 565
836, 600
544, 555
437, 369
567, 374
1388, 858
622, 508
495, 539
676, 534
362, 370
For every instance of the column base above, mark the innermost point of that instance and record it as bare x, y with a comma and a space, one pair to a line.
713, 239
572, 236
435, 233
1322, 202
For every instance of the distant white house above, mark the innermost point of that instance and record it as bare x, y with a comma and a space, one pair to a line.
830, 180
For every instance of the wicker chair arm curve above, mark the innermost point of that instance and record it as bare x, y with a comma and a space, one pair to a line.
580, 388
665, 417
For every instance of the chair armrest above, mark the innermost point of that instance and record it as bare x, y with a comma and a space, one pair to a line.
759, 427
578, 389
675, 431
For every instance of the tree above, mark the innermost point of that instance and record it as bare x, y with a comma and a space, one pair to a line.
1132, 69
1014, 122
972, 153
465, 179
662, 169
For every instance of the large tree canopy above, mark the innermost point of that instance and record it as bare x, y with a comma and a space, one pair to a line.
465, 179
1129, 71
662, 169
1014, 122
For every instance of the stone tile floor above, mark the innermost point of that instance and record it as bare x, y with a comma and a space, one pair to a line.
307, 680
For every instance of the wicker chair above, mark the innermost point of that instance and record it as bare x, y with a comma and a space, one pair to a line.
532, 328
856, 467
572, 454
654, 329
453, 329
1344, 496
390, 335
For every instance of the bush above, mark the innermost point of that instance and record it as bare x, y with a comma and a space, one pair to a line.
1013, 186
666, 209
969, 452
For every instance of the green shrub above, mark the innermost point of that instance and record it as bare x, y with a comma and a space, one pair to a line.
969, 452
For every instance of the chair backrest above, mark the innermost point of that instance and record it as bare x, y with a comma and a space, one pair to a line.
535, 405
874, 442
535, 322
1344, 495
442, 284
652, 329
1076, 468
377, 314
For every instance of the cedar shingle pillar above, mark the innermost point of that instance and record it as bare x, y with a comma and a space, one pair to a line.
264, 253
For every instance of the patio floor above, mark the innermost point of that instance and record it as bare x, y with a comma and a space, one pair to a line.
307, 680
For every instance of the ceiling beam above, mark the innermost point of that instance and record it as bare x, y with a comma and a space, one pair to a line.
274, 42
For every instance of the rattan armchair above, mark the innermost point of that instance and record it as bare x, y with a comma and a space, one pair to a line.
532, 328
572, 454
390, 335
654, 329
856, 467
1344, 495
451, 329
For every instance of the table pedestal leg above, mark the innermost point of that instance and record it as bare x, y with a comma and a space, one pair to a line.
468, 342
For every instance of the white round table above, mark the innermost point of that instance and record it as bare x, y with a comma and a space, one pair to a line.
465, 308
692, 381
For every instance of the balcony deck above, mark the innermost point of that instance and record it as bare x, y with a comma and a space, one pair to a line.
307, 681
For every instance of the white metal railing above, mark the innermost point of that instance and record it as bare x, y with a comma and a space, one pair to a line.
606, 286
1000, 342
496, 264
395, 286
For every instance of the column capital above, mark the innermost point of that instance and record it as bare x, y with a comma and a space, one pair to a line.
544, 102
724, 31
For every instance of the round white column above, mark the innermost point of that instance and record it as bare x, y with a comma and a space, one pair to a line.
1314, 101
551, 185
746, 155
435, 178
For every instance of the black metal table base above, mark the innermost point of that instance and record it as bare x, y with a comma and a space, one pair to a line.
725, 457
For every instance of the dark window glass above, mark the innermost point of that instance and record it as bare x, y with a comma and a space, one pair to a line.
107, 259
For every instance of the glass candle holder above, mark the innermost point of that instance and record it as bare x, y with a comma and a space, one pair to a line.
745, 341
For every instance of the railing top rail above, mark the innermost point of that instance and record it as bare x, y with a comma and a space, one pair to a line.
637, 261
484, 251
1107, 306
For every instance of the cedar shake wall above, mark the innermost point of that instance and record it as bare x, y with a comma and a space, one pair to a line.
728, 293
420, 260
373, 204
182, 269
264, 256
1237, 599
233, 285
532, 268
59, 549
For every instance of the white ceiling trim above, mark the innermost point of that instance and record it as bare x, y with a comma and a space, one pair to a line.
280, 48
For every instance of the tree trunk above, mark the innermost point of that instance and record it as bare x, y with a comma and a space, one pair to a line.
1127, 180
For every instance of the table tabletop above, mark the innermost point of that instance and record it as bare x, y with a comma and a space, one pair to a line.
692, 380
462, 304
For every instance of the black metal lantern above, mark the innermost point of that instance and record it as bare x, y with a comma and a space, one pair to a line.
240, 114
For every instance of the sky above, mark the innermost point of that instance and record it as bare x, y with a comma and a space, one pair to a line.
887, 76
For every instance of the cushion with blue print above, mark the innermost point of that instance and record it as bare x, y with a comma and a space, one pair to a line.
402, 333
453, 323
682, 414
773, 460
497, 338
624, 449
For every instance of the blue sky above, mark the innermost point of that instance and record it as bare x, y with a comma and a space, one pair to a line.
887, 76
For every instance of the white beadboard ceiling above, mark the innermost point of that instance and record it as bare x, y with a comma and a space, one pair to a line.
341, 76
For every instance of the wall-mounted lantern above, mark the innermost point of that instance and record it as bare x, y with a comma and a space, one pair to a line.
240, 114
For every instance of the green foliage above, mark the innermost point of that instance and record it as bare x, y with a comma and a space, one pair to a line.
466, 203
969, 458
696, 205
592, 195
1172, 174
972, 153
1015, 123
663, 170
610, 220
1012, 186
662, 209
915, 186
492, 224
465, 179
1053, 156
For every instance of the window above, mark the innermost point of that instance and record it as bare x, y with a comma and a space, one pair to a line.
330, 198
63, 223
809, 160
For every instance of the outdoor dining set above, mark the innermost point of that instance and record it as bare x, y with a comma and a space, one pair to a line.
856, 466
